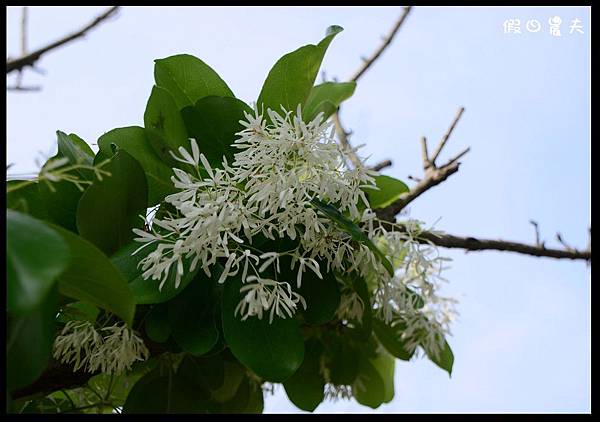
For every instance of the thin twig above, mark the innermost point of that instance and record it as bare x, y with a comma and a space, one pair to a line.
368, 62
469, 243
447, 135
381, 165
342, 133
31, 58
433, 174
538, 242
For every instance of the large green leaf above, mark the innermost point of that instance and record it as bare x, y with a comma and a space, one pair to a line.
35, 256
353, 230
306, 387
390, 337
369, 388
76, 150
25, 199
326, 98
157, 325
213, 122
291, 79
60, 200
133, 139
165, 129
385, 365
445, 360
29, 342
322, 296
274, 351
164, 393
146, 291
360, 286
111, 207
93, 278
343, 359
390, 190
188, 79
191, 316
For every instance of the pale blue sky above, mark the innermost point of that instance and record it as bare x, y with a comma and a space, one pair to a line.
523, 342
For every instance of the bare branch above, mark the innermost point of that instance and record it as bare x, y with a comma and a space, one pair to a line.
434, 175
473, 244
24, 88
342, 135
538, 242
380, 166
368, 62
31, 58
447, 135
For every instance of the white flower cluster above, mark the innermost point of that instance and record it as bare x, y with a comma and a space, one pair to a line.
267, 190
111, 349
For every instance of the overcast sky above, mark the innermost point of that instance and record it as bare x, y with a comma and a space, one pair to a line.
522, 342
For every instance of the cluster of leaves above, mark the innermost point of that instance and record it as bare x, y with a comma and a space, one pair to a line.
69, 255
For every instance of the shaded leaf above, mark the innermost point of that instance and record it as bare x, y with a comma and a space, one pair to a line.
326, 98
91, 277
188, 79
306, 387
213, 122
111, 207
134, 141
273, 351
35, 256
390, 338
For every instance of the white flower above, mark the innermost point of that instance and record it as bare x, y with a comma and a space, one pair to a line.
111, 350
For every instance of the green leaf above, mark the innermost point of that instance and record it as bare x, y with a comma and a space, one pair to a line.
165, 129
445, 360
208, 373
78, 311
157, 325
326, 98
146, 291
29, 342
191, 316
385, 365
75, 149
291, 79
35, 256
133, 139
188, 79
93, 278
322, 296
306, 387
25, 199
274, 351
213, 122
168, 393
247, 399
390, 190
233, 374
60, 199
360, 286
353, 230
369, 388
390, 338
111, 207
341, 357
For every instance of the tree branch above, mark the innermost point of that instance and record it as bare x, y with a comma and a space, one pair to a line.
473, 244
433, 176
342, 133
31, 58
386, 42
